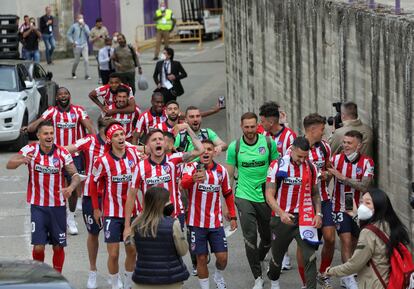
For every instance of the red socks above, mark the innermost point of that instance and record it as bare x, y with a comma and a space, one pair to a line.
38, 255
302, 274
325, 263
58, 258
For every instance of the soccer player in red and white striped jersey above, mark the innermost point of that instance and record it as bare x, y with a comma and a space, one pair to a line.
128, 120
67, 119
160, 170
93, 147
206, 180
284, 189
107, 94
270, 126
172, 111
150, 118
46, 192
319, 155
113, 171
353, 174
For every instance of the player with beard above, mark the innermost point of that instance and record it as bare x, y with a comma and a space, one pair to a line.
128, 120
172, 111
183, 141
68, 121
150, 118
45, 192
113, 172
93, 147
107, 92
160, 170
251, 155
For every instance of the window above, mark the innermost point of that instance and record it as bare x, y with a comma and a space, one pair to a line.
39, 72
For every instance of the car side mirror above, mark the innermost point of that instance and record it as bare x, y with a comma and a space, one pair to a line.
49, 75
28, 84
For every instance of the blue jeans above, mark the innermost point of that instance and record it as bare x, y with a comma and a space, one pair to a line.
32, 55
50, 46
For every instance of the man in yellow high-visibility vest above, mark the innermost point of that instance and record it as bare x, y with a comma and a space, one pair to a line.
164, 23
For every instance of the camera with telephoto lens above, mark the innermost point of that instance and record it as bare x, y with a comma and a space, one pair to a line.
337, 118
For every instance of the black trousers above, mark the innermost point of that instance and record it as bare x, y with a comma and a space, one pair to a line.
167, 95
105, 75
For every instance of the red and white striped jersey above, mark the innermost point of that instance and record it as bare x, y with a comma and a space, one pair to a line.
46, 178
93, 147
362, 167
148, 120
287, 194
149, 174
128, 120
164, 126
320, 160
66, 123
115, 175
204, 205
283, 139
107, 96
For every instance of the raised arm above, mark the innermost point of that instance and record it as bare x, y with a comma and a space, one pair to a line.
198, 146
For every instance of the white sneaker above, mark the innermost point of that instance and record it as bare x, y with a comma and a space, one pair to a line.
194, 271
275, 284
258, 283
220, 284
79, 204
286, 265
120, 284
71, 224
350, 282
92, 280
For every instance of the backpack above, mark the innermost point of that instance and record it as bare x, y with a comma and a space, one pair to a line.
237, 149
402, 267
183, 146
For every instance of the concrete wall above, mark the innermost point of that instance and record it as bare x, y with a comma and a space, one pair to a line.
307, 54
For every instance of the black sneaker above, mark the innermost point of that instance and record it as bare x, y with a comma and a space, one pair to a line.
74, 76
155, 58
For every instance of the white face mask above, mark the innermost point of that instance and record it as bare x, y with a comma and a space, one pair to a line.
162, 8
353, 156
364, 213
81, 21
163, 57
115, 39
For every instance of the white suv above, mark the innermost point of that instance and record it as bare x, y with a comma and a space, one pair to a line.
19, 102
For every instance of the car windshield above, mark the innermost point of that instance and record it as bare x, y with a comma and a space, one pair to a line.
8, 78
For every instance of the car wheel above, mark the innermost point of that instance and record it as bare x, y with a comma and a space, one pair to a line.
23, 138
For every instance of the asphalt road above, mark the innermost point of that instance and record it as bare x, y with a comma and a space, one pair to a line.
205, 82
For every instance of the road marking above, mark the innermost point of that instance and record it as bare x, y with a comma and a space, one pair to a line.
13, 193
218, 46
15, 236
11, 178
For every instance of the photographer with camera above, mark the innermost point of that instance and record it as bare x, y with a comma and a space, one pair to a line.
346, 120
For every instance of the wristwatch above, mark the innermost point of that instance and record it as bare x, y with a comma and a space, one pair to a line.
320, 215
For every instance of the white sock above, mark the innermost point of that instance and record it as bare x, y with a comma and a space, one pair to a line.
128, 279
204, 283
218, 275
71, 215
114, 280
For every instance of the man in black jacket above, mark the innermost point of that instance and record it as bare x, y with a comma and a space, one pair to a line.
167, 76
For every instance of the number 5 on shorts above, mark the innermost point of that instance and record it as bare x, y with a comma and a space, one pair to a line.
108, 221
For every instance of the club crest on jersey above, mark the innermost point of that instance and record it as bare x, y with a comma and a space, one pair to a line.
56, 162
358, 171
72, 115
122, 178
262, 150
279, 144
220, 176
163, 118
131, 163
166, 168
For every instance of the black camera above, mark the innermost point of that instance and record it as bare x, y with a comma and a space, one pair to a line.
337, 118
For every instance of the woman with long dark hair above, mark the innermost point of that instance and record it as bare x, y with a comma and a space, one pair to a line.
375, 209
160, 243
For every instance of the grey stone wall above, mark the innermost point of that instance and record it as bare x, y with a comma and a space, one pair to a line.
306, 54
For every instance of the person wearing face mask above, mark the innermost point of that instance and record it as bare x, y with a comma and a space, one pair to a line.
352, 175
164, 23
160, 244
375, 210
78, 36
168, 74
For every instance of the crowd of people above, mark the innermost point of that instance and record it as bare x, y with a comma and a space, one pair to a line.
151, 180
